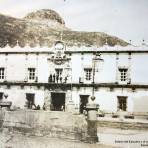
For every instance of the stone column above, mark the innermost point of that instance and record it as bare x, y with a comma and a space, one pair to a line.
47, 99
92, 123
70, 107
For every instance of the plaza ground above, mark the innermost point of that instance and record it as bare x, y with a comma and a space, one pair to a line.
112, 132
110, 138
24, 141
124, 133
124, 138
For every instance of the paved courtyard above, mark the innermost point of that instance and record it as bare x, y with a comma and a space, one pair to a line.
112, 132
22, 141
125, 133
124, 138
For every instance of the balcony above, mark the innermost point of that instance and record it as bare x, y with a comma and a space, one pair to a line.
59, 79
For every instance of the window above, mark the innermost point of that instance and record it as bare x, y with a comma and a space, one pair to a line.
59, 71
59, 55
2, 73
31, 73
122, 103
59, 45
123, 74
88, 73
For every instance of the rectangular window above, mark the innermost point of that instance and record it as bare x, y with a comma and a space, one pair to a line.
31, 73
123, 74
2, 73
59, 71
88, 73
122, 103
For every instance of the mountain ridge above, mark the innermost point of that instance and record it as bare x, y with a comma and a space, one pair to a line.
47, 31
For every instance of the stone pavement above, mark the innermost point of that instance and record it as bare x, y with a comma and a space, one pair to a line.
124, 138
23, 141
125, 133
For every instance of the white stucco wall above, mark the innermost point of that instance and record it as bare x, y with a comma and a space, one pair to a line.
18, 95
139, 70
16, 66
108, 100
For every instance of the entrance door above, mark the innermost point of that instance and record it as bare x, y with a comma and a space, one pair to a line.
83, 102
58, 101
30, 100
1, 96
122, 103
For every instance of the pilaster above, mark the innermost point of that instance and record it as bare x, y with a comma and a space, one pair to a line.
70, 106
117, 64
47, 99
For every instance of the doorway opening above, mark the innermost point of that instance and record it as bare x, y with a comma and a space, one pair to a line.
122, 103
58, 101
83, 102
30, 100
1, 96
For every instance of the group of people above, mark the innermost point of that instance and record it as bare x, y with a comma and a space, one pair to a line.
53, 78
34, 107
57, 108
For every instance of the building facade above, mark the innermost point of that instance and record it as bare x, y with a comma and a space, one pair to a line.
63, 78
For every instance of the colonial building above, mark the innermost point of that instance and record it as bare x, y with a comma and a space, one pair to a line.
63, 77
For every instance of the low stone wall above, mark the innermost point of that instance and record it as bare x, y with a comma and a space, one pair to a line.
124, 125
53, 124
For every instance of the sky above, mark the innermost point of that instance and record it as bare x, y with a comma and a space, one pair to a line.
126, 19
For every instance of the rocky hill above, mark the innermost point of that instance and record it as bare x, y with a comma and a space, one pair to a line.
45, 27
45, 14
